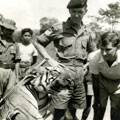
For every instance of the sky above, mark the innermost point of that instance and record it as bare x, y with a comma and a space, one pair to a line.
27, 13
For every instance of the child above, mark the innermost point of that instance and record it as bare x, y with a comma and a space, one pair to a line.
28, 52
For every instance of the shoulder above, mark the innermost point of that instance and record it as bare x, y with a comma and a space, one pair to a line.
57, 26
118, 54
19, 44
32, 46
94, 56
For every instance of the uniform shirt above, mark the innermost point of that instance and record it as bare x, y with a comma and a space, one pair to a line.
98, 65
27, 52
9, 52
69, 43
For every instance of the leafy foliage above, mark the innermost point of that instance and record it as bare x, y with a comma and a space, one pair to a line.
111, 15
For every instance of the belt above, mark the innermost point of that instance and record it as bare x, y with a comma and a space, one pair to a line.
7, 66
24, 64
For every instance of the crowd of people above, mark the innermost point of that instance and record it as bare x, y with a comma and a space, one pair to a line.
85, 68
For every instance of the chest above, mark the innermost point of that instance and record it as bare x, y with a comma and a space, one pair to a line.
72, 39
26, 50
7, 51
112, 72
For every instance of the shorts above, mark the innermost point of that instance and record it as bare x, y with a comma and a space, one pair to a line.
7, 80
73, 96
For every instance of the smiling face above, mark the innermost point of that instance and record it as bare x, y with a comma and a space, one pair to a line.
77, 14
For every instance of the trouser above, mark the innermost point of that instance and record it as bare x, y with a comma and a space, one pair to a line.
86, 111
7, 80
72, 97
107, 88
98, 112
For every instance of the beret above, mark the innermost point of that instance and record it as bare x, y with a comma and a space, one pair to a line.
76, 4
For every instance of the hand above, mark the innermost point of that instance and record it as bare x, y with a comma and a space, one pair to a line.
36, 71
85, 68
54, 63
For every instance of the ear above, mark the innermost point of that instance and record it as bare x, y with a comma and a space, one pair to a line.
118, 46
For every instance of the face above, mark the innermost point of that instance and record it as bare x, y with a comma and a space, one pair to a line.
109, 52
26, 37
7, 32
77, 14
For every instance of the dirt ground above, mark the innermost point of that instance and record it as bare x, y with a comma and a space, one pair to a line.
90, 117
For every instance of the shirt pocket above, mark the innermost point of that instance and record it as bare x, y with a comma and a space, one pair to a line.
66, 41
12, 50
84, 42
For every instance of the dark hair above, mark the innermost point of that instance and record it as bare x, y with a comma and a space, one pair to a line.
108, 37
23, 31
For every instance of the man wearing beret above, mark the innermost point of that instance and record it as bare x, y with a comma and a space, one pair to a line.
72, 41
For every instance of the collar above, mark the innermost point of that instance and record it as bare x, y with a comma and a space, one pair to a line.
3, 42
68, 25
101, 60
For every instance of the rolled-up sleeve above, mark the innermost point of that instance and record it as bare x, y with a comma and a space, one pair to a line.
43, 39
93, 65
49, 35
17, 56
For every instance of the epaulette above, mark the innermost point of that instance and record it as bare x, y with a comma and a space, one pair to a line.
57, 27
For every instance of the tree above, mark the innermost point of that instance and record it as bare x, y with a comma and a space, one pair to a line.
94, 24
46, 23
111, 15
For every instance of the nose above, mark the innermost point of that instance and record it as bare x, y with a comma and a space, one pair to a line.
76, 15
104, 52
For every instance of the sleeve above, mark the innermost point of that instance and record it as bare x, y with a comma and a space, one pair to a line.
93, 65
49, 35
17, 56
43, 39
35, 52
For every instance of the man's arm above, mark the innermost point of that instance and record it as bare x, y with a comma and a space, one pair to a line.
42, 51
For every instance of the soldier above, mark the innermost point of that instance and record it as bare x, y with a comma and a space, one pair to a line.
105, 66
72, 41
9, 56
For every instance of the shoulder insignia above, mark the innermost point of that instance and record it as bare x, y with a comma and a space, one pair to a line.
48, 32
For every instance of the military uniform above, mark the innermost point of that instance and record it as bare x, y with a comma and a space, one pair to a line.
9, 55
71, 47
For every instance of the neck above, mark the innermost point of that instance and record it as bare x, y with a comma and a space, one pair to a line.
7, 38
77, 26
26, 43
